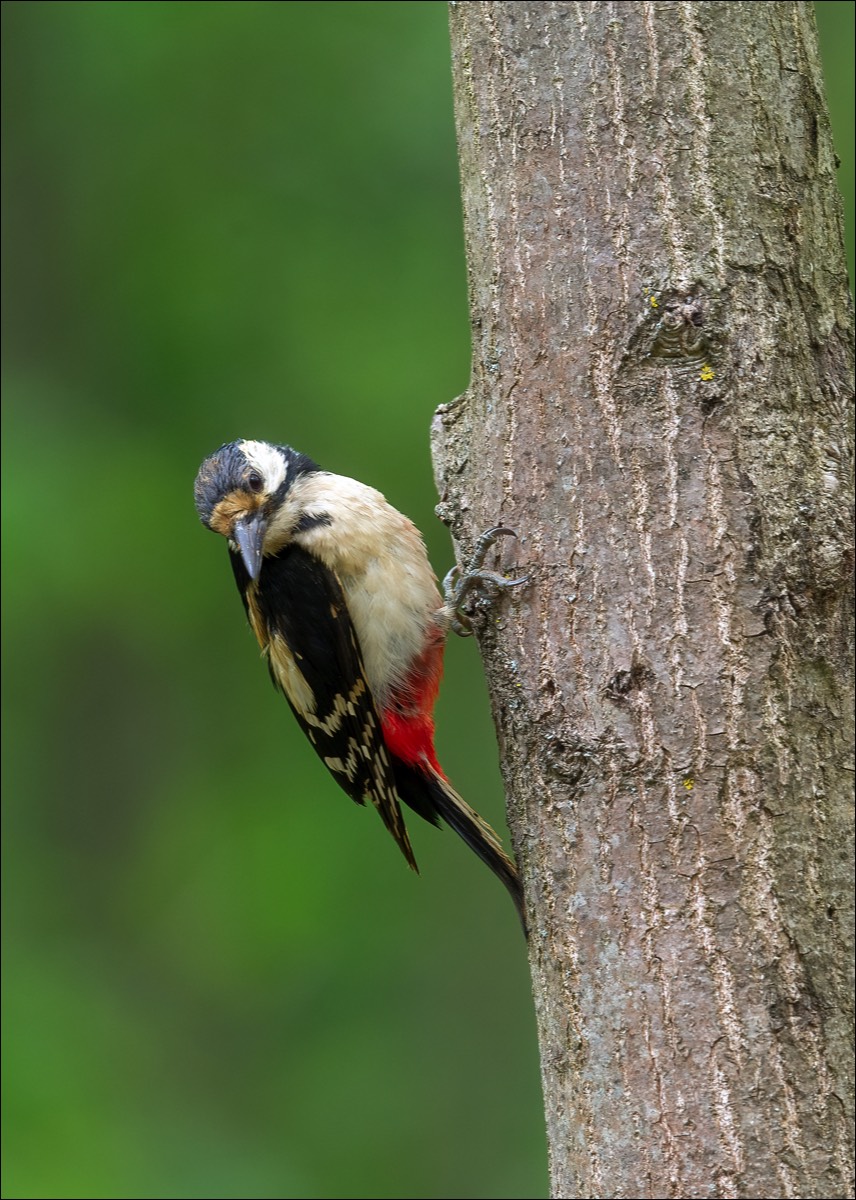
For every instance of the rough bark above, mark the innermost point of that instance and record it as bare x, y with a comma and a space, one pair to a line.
659, 405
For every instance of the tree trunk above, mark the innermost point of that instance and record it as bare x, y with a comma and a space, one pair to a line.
659, 405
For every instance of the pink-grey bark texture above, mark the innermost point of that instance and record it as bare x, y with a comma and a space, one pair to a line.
660, 405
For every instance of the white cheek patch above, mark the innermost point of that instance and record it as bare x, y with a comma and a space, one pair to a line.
268, 461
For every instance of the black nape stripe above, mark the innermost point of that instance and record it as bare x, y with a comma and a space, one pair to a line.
296, 464
312, 521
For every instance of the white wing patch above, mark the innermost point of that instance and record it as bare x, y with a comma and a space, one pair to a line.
289, 676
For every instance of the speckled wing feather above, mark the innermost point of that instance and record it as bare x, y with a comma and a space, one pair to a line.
300, 617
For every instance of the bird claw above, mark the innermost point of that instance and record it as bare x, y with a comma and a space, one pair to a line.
458, 583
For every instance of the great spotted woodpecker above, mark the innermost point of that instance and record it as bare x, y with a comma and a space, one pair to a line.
343, 602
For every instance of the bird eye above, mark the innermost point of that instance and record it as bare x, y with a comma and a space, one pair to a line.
255, 482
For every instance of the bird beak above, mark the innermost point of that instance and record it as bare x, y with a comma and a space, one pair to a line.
250, 536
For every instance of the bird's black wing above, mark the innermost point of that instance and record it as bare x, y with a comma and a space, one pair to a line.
300, 616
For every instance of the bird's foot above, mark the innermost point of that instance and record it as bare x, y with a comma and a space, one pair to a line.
462, 581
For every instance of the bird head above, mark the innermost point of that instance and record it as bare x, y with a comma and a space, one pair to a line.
240, 488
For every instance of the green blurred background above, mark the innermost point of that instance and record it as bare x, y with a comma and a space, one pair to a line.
222, 220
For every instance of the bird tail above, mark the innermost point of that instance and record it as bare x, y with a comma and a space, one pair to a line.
426, 784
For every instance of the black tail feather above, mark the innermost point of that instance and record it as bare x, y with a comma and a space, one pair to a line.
430, 795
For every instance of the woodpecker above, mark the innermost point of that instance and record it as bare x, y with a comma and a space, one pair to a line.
343, 602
